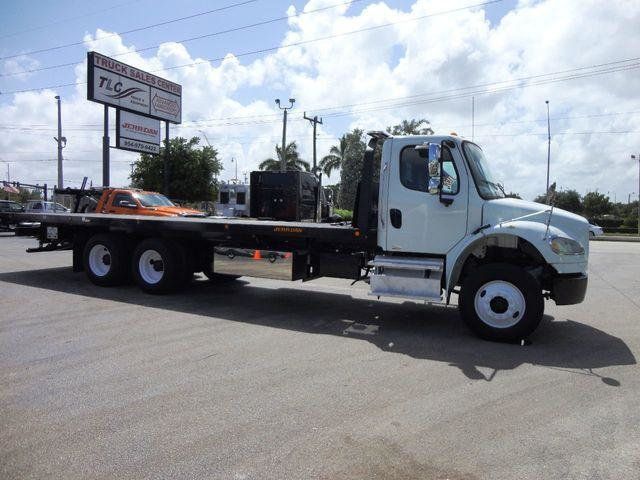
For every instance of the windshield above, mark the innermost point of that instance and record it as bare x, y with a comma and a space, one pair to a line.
153, 200
486, 184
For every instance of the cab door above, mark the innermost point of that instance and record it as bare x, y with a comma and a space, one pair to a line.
115, 207
417, 221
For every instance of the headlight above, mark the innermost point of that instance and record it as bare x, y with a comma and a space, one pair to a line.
565, 246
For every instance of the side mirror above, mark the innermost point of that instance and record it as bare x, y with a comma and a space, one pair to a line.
127, 204
433, 151
434, 177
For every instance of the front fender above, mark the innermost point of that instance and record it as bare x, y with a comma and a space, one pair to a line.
508, 232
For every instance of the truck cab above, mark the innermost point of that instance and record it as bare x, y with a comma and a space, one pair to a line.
445, 226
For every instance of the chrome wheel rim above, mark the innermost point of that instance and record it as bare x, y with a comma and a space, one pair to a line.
99, 260
499, 304
151, 266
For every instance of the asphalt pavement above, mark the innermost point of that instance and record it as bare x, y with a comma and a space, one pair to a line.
262, 379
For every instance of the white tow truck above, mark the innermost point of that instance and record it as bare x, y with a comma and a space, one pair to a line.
437, 224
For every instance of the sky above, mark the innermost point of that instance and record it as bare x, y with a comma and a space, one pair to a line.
360, 64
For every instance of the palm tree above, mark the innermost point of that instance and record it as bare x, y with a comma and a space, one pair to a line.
411, 127
334, 160
294, 162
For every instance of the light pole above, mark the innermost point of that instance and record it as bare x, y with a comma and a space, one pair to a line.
637, 157
283, 160
548, 148
61, 140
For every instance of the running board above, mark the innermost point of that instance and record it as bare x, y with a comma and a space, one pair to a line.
408, 277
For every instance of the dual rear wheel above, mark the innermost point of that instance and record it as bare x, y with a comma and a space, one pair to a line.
157, 265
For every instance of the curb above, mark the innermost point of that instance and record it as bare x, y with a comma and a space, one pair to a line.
615, 238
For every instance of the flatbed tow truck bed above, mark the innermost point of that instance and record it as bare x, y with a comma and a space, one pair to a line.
217, 228
213, 245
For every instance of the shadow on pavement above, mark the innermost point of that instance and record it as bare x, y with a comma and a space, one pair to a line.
430, 332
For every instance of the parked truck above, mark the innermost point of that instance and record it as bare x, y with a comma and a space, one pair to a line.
126, 201
437, 225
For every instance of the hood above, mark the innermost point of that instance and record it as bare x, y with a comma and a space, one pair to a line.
177, 211
505, 209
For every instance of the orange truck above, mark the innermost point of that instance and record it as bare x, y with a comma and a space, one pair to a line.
129, 201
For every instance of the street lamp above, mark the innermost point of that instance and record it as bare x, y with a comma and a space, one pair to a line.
637, 157
283, 160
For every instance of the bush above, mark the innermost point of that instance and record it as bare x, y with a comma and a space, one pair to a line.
345, 214
630, 222
632, 231
606, 222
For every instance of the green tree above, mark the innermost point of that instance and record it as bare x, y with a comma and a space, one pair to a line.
192, 170
596, 204
351, 171
333, 161
294, 162
569, 200
412, 127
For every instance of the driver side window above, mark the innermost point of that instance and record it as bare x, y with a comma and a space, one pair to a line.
414, 172
122, 197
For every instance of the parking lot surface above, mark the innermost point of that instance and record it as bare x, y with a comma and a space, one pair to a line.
260, 379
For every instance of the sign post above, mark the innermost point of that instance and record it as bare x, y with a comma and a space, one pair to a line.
141, 100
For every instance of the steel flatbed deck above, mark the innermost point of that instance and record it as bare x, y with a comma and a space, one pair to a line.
209, 228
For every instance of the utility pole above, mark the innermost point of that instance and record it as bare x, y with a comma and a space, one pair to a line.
634, 157
548, 148
283, 160
314, 121
60, 140
233, 160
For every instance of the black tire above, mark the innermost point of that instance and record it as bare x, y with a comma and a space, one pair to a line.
272, 257
106, 260
231, 254
498, 316
159, 265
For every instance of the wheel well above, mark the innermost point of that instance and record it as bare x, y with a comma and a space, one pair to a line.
513, 250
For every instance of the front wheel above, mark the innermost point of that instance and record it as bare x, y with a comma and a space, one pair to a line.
501, 302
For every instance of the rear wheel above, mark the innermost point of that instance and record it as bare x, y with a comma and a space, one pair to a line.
159, 265
501, 302
105, 260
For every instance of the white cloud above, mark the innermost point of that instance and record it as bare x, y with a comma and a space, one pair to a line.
416, 60
19, 67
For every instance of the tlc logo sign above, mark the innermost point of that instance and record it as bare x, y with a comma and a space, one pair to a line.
117, 87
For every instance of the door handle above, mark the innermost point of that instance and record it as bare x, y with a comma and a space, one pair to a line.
395, 216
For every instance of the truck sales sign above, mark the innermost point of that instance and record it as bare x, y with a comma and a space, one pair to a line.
120, 85
137, 133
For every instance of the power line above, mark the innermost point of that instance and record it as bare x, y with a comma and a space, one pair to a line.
186, 40
281, 47
64, 20
139, 29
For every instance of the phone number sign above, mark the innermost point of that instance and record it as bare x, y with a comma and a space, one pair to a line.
117, 84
